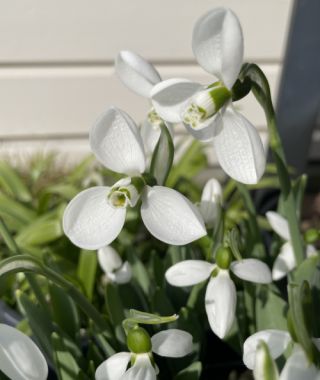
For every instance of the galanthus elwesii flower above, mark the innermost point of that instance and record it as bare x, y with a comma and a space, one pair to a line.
211, 202
115, 270
207, 111
285, 262
297, 366
139, 363
20, 358
220, 298
95, 217
140, 76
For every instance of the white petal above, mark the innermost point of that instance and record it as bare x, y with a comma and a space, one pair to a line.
109, 259
252, 270
239, 148
90, 222
170, 97
116, 142
189, 272
141, 370
264, 367
172, 343
211, 199
114, 367
217, 44
221, 300
136, 73
284, 262
171, 217
205, 131
277, 341
122, 275
311, 251
150, 136
297, 367
20, 358
279, 224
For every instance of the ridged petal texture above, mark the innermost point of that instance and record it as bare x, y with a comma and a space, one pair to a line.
136, 73
20, 358
189, 272
239, 148
114, 367
217, 44
116, 142
90, 222
172, 343
171, 217
221, 301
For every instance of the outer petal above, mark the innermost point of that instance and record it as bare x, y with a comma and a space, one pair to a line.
170, 98
114, 367
141, 370
172, 343
252, 270
136, 73
221, 300
217, 44
122, 275
116, 142
279, 224
20, 358
211, 199
109, 259
297, 367
171, 217
284, 263
239, 148
277, 341
90, 222
189, 272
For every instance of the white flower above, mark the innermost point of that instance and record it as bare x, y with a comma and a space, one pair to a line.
20, 358
140, 76
211, 200
297, 366
95, 217
220, 298
207, 112
285, 261
112, 265
172, 343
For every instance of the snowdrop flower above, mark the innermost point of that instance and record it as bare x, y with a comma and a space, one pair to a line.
112, 265
220, 298
20, 358
297, 366
172, 343
207, 111
140, 76
211, 199
95, 217
285, 261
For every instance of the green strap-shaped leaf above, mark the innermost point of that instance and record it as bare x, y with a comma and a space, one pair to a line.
87, 268
14, 209
162, 157
193, 372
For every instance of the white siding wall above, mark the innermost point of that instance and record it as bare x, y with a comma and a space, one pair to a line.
56, 60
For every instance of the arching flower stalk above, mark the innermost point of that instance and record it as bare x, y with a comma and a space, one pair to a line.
114, 268
95, 217
140, 76
220, 298
207, 111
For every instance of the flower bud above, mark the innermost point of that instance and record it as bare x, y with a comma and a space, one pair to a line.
224, 257
311, 236
265, 367
138, 340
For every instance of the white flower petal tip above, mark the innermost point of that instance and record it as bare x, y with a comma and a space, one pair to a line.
284, 263
189, 272
239, 148
116, 142
279, 224
141, 370
90, 222
211, 200
170, 97
265, 367
171, 217
276, 340
252, 270
20, 358
136, 73
217, 44
114, 367
123, 275
220, 301
109, 259
172, 343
